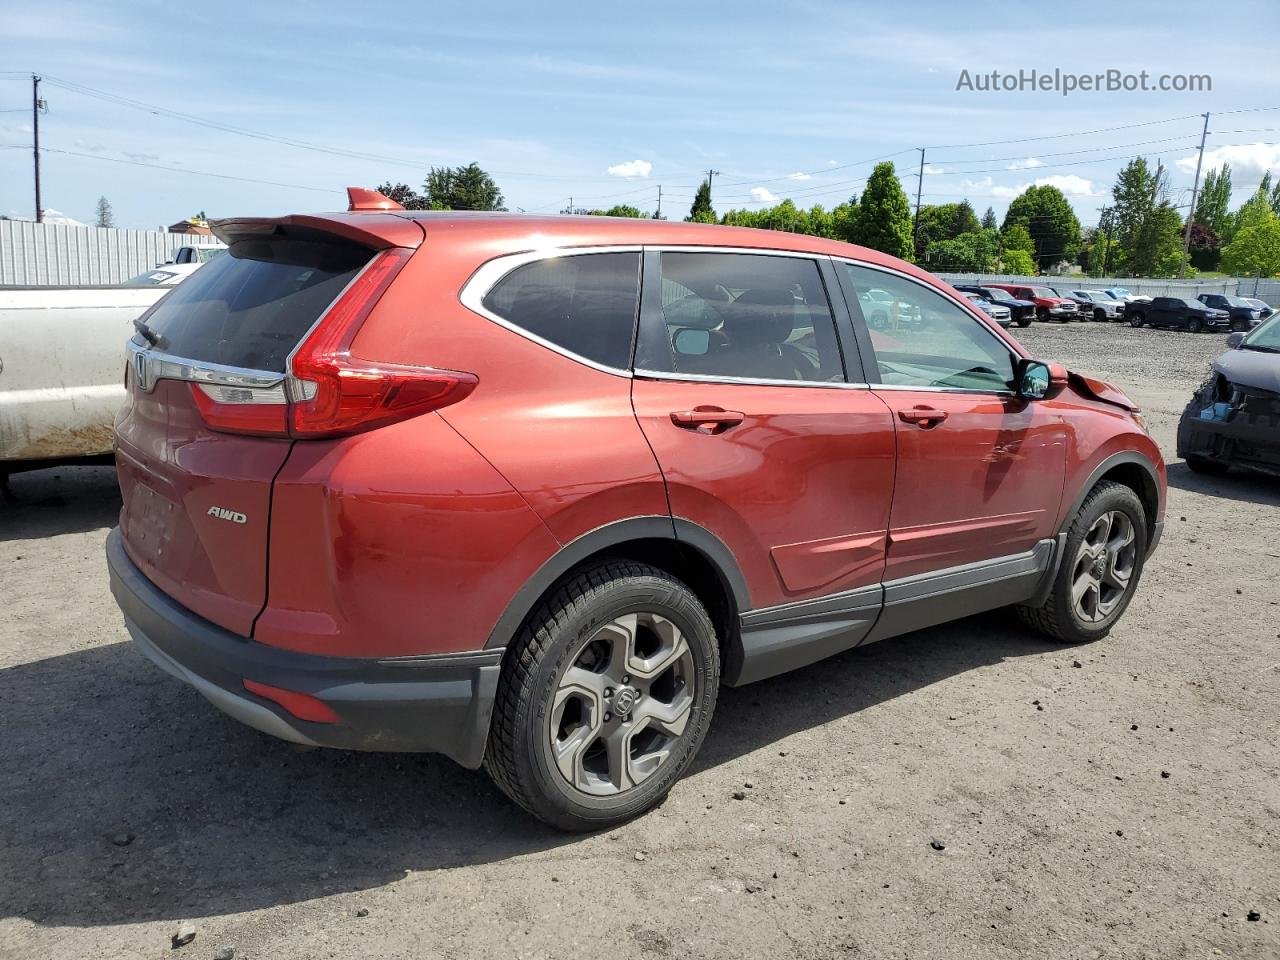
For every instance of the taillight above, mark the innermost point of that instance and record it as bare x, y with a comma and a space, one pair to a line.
327, 391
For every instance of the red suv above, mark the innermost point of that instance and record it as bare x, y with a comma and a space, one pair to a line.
525, 491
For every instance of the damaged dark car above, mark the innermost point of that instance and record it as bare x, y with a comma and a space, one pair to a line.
1233, 419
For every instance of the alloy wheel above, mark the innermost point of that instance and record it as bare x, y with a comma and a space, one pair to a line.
622, 704
1103, 568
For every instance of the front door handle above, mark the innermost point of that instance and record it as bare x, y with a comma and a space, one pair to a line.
925, 417
707, 419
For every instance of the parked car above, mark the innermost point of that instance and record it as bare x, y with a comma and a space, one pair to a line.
997, 313
61, 350
467, 484
202, 253
1049, 306
1243, 314
1125, 295
1083, 309
1264, 308
1022, 311
1177, 312
885, 312
1104, 307
167, 275
1234, 418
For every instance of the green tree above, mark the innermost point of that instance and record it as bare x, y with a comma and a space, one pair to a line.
989, 219
624, 210
973, 252
944, 221
404, 195
844, 219
1018, 262
105, 217
701, 211
1157, 246
461, 188
1016, 237
1215, 199
1134, 193
1254, 251
1254, 212
1048, 217
884, 217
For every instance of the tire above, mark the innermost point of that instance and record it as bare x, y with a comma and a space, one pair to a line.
1100, 315
543, 721
1210, 468
1239, 325
1136, 320
1042, 314
1060, 617
1194, 325
1024, 322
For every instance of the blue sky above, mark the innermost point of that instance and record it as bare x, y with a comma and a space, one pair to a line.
783, 100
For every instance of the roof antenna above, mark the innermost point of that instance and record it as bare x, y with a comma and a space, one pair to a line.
362, 198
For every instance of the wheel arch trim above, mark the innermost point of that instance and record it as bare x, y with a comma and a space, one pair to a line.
675, 529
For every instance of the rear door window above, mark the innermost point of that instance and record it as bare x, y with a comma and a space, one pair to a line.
251, 307
584, 304
743, 316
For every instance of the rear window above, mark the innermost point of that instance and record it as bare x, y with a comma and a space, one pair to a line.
585, 304
251, 306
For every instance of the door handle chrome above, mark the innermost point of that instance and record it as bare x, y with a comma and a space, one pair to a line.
922, 416
707, 419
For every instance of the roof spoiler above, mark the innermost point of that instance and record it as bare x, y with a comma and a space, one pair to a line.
362, 198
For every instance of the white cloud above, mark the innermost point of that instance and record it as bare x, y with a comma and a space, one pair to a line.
797, 176
762, 195
1070, 184
832, 163
1027, 164
1248, 158
631, 169
933, 168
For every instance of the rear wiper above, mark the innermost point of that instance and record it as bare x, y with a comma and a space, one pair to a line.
147, 333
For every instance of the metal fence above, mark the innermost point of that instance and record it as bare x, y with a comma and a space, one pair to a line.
55, 254
1137, 285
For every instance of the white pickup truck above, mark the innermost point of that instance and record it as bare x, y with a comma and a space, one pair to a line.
62, 366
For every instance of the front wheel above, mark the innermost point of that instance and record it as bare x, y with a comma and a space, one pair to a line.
1194, 325
1100, 316
1098, 570
1024, 322
1137, 320
605, 697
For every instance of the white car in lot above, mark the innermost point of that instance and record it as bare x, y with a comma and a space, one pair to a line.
1105, 307
62, 355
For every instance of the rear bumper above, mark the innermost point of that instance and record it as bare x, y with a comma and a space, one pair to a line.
431, 704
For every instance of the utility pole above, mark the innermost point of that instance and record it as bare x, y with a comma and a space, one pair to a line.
658, 215
915, 221
36, 105
1191, 214
1105, 224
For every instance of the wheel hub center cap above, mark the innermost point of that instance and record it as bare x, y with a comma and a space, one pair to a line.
1100, 565
625, 699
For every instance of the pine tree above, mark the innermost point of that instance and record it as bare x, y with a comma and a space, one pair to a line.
702, 211
105, 217
884, 215
1215, 199
989, 219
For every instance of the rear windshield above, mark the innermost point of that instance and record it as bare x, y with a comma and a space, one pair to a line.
251, 307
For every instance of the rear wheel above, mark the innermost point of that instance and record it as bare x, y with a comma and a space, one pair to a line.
605, 697
1099, 568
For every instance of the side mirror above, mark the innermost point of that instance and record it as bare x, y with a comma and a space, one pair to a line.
691, 342
1235, 340
1038, 380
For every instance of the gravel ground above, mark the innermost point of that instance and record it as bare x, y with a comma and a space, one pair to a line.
1115, 800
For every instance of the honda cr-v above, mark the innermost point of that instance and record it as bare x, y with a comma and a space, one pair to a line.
527, 491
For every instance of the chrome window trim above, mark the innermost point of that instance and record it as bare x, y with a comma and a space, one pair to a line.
980, 321
642, 374
492, 272
156, 366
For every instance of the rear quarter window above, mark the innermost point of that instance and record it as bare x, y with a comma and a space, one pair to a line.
585, 304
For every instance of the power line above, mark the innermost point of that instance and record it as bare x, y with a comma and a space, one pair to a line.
197, 173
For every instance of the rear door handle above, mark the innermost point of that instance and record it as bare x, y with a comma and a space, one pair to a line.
922, 416
707, 419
